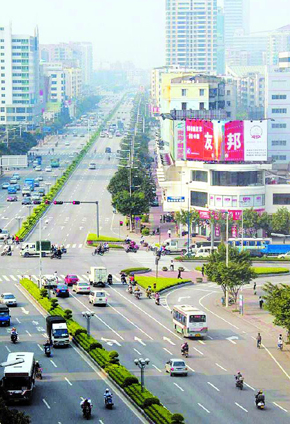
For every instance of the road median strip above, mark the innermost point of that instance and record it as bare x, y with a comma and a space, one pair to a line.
107, 360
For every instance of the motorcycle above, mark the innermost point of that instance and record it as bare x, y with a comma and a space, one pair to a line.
184, 352
47, 351
157, 300
123, 280
110, 280
38, 373
148, 294
109, 402
14, 338
55, 256
260, 404
240, 383
130, 290
87, 412
6, 253
131, 249
137, 294
63, 250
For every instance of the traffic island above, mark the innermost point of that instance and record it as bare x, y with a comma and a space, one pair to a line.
160, 283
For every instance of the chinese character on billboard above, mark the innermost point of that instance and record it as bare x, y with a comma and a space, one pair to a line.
234, 141
199, 140
179, 137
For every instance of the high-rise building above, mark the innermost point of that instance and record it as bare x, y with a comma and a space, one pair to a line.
191, 34
72, 54
279, 41
220, 41
19, 82
236, 18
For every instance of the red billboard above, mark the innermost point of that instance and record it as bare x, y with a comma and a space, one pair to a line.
234, 141
199, 140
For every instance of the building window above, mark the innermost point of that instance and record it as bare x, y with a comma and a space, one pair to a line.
279, 142
279, 125
284, 110
201, 106
200, 176
279, 157
228, 92
229, 114
201, 91
198, 198
237, 179
281, 199
183, 92
183, 106
279, 97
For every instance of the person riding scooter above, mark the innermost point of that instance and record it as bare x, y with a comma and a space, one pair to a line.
184, 348
130, 289
149, 292
110, 279
14, 335
260, 398
157, 298
86, 406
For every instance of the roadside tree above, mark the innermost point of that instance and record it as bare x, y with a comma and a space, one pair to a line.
277, 301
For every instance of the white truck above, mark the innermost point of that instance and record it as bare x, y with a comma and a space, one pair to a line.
33, 249
98, 276
175, 245
57, 331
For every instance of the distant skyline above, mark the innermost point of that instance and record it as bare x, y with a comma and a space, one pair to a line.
120, 30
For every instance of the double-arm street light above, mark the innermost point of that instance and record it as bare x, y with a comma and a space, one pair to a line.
142, 363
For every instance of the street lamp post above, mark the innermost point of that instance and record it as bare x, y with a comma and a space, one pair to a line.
142, 363
227, 255
88, 315
40, 254
19, 219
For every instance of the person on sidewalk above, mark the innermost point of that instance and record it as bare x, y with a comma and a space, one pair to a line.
161, 219
254, 287
169, 233
261, 301
202, 270
171, 265
259, 340
179, 274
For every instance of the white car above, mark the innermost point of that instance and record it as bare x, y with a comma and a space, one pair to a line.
67, 143
176, 366
82, 287
98, 297
48, 169
39, 179
4, 234
284, 256
8, 299
38, 168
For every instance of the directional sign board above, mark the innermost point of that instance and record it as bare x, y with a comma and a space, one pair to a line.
14, 161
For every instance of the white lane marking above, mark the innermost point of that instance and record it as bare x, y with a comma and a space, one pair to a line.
1, 279
35, 277
201, 342
213, 313
250, 387
154, 366
283, 409
44, 401
101, 422
97, 317
146, 313
212, 385
8, 349
140, 341
191, 369
53, 363
204, 408
198, 351
28, 333
211, 338
73, 246
5, 277
240, 406
62, 276
180, 388
131, 322
18, 276
218, 365
40, 347
166, 350
13, 278
137, 351
68, 381
275, 360
85, 277
232, 338
169, 341
68, 245
80, 245
17, 319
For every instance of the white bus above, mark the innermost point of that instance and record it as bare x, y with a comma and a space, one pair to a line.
249, 243
19, 380
189, 321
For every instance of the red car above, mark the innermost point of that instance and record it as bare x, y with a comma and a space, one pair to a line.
12, 198
71, 279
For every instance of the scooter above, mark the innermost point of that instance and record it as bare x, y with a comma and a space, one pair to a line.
260, 405
87, 412
184, 352
157, 300
130, 290
38, 373
148, 294
55, 256
240, 383
109, 402
47, 351
137, 294
110, 280
14, 338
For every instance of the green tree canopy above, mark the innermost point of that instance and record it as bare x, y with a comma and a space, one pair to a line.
277, 302
281, 221
8, 416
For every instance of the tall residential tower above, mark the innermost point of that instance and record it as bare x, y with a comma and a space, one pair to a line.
191, 34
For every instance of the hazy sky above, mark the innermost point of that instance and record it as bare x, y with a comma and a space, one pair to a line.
119, 29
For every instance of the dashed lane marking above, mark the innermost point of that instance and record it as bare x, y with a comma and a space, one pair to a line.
204, 408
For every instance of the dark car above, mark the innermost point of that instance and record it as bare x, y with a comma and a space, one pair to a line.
255, 253
61, 290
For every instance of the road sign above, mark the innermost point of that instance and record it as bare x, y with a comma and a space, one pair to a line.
176, 199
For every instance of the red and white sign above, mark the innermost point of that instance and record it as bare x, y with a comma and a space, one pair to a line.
255, 137
234, 141
199, 140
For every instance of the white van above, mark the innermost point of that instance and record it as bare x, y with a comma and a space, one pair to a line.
203, 252
92, 165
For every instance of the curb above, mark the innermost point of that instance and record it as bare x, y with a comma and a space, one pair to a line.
120, 389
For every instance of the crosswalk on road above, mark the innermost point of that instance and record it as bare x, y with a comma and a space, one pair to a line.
67, 246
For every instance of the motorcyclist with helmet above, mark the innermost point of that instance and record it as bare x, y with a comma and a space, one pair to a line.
260, 397
184, 348
86, 405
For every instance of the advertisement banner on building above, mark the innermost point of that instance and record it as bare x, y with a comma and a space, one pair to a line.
179, 139
217, 232
234, 231
199, 140
255, 138
234, 141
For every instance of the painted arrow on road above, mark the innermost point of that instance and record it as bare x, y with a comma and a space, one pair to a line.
184, 297
169, 341
24, 311
140, 341
231, 339
110, 342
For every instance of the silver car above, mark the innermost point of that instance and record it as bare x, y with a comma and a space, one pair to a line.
8, 299
176, 366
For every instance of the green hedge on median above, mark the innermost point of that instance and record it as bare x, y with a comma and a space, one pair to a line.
108, 360
259, 270
92, 238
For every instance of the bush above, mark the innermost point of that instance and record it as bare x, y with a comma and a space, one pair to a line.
132, 270
80, 331
114, 357
270, 270
93, 237
177, 418
68, 314
54, 303
95, 345
43, 293
164, 268
145, 218
145, 231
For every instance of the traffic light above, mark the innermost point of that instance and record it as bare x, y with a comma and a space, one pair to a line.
58, 202
76, 202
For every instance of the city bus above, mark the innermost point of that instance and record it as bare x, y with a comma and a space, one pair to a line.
19, 380
250, 243
189, 321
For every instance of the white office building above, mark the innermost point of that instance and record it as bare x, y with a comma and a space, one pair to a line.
278, 41
55, 82
191, 34
19, 82
236, 18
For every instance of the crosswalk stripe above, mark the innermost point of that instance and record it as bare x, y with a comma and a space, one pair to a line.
73, 246
18, 276
26, 276
80, 245
34, 277
67, 246
85, 277
79, 277
13, 278
1, 279
5, 277
63, 276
